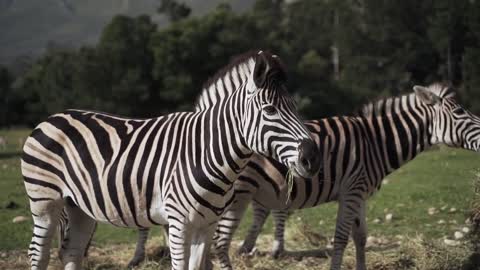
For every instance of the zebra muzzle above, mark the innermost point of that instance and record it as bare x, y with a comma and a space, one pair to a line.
308, 158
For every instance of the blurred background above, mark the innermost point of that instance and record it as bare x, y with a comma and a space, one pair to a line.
144, 58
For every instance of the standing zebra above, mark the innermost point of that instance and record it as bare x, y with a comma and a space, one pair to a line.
357, 153
177, 169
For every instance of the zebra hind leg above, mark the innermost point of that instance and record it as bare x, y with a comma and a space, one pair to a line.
260, 214
46, 216
140, 248
348, 211
280, 217
359, 234
80, 231
140, 253
226, 228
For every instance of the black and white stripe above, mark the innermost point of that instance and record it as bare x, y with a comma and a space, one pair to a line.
177, 169
357, 153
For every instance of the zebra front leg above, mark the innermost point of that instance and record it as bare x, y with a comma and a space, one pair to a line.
189, 246
77, 239
279, 216
359, 233
348, 210
139, 255
46, 216
260, 214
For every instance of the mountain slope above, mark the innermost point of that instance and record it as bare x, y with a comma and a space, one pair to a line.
26, 27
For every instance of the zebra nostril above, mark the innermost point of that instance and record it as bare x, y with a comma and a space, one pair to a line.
305, 163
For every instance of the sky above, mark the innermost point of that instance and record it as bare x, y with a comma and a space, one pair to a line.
27, 26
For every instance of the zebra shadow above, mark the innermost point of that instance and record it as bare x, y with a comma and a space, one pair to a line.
324, 253
11, 154
159, 253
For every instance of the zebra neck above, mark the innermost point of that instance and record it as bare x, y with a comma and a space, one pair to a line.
217, 89
224, 152
403, 132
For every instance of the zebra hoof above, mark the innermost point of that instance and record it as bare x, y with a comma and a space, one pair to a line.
209, 265
135, 262
277, 253
244, 250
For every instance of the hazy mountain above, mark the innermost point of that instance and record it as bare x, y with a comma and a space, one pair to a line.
27, 26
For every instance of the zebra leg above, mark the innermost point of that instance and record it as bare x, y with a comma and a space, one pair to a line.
79, 234
178, 239
46, 216
279, 216
189, 246
90, 240
260, 214
227, 226
62, 231
359, 234
165, 234
140, 248
348, 209
200, 242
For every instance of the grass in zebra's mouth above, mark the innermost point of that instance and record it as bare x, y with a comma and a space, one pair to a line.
290, 179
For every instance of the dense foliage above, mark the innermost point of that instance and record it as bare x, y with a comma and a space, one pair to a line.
338, 54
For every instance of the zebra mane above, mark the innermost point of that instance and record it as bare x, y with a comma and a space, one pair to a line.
387, 106
277, 72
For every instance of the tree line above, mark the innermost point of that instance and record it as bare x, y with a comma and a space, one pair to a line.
338, 54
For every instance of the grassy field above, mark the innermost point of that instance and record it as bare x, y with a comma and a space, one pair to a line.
413, 239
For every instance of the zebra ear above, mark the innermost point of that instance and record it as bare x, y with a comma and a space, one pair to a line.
261, 69
426, 96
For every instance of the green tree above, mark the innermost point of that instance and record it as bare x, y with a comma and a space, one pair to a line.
46, 88
6, 93
174, 10
385, 47
125, 59
190, 51
447, 28
471, 59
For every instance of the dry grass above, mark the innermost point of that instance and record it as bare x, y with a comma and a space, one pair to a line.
409, 253
440, 179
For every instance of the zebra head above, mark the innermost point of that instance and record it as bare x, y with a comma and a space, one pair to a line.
271, 124
452, 124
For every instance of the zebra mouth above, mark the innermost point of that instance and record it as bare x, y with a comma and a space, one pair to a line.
293, 169
298, 170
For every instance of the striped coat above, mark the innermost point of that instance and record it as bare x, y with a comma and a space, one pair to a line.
177, 169
357, 153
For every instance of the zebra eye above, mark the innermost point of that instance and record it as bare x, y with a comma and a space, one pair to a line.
270, 110
459, 110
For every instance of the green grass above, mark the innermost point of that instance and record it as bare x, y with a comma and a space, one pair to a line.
437, 178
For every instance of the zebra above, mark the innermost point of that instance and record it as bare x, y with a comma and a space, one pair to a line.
176, 170
357, 152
